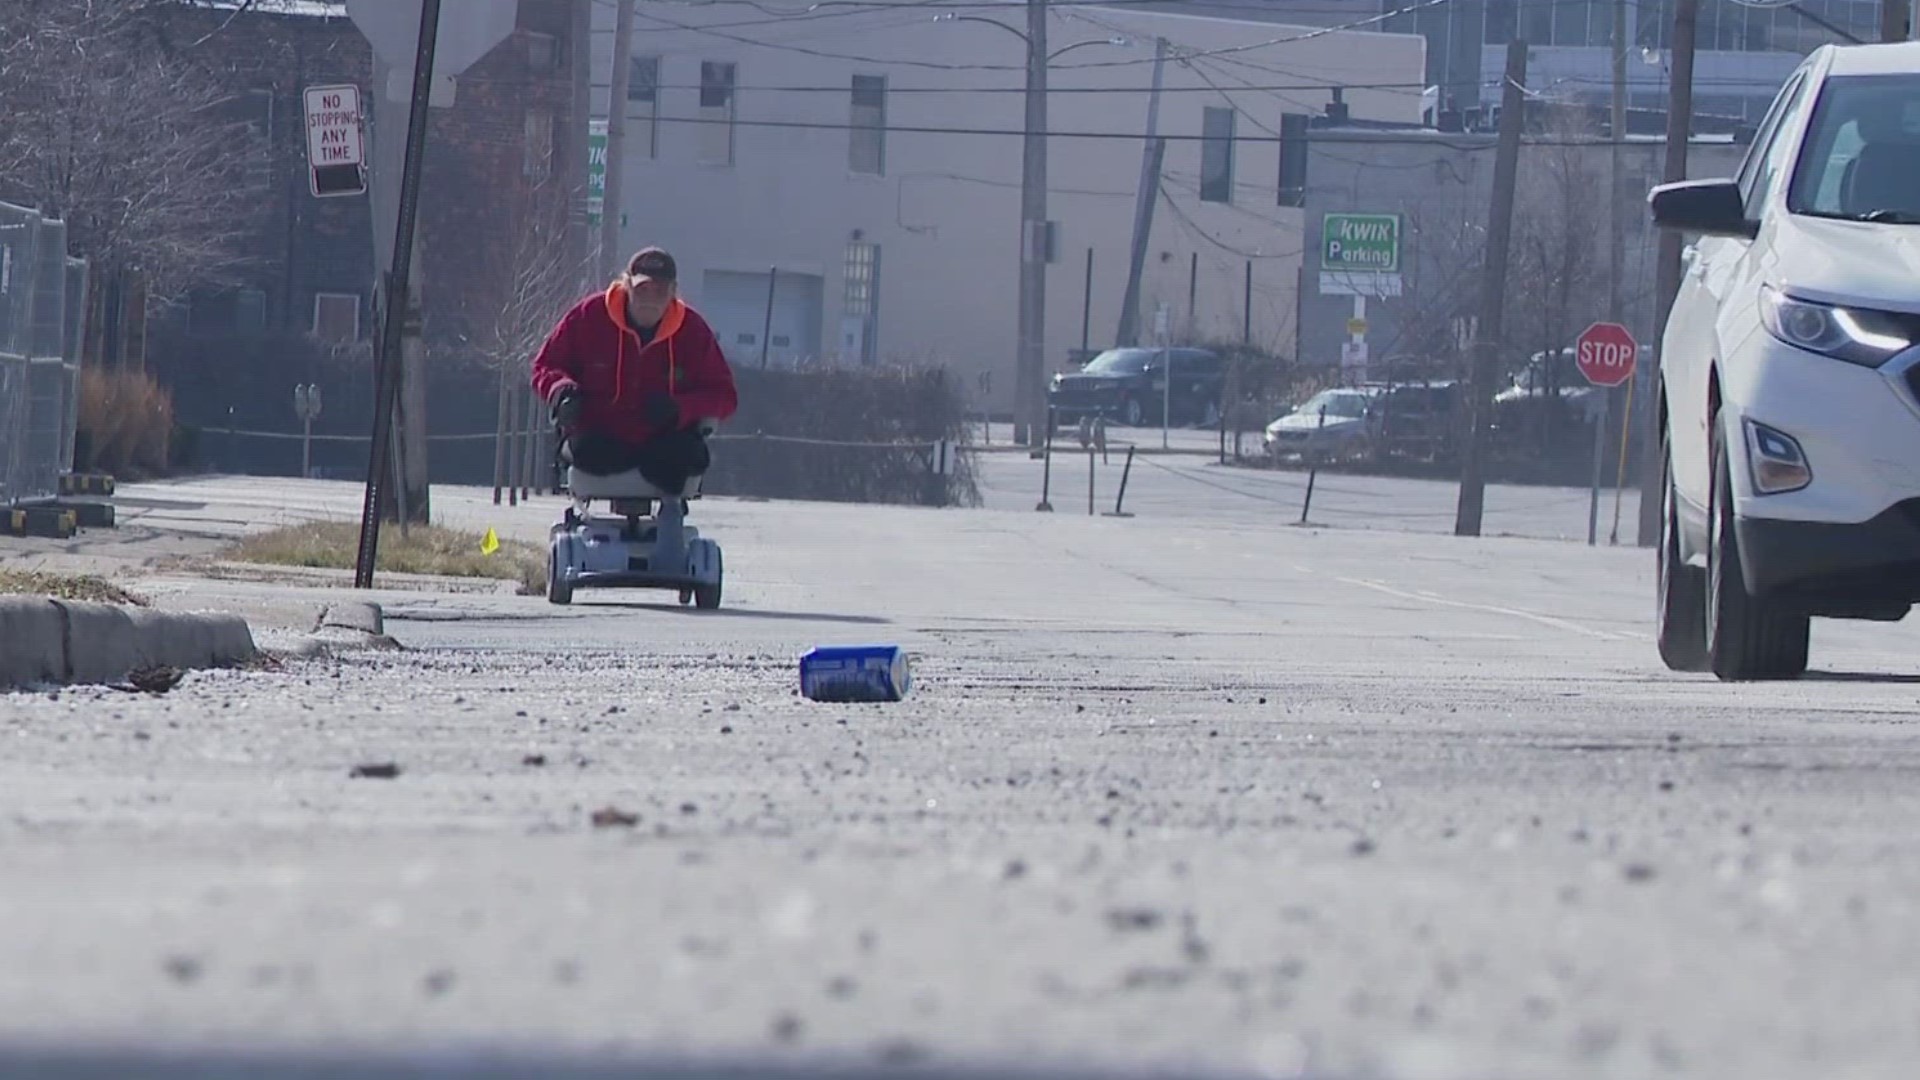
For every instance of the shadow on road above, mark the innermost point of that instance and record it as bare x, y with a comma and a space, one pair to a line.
1887, 677
901, 1061
149, 502
739, 613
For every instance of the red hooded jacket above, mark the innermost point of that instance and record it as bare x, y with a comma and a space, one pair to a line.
593, 349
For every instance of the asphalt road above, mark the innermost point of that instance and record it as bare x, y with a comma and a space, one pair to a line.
1186, 789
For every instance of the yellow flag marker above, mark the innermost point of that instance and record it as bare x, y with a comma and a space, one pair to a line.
491, 543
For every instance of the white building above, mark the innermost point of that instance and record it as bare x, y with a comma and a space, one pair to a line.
869, 160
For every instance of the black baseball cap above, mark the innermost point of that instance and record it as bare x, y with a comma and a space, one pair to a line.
652, 264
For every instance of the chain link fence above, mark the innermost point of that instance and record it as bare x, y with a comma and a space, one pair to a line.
42, 303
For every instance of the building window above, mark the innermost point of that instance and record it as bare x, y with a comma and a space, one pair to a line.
1536, 23
867, 138
542, 54
250, 311
1501, 22
643, 100
336, 317
1216, 155
539, 145
231, 311
716, 112
209, 312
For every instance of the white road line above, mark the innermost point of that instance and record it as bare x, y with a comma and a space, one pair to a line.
1543, 620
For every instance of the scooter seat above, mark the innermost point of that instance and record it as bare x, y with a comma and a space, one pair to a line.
625, 485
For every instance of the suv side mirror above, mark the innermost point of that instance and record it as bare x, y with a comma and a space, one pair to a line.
1710, 207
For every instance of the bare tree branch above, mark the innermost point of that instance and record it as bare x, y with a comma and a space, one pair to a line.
245, 6
540, 279
140, 153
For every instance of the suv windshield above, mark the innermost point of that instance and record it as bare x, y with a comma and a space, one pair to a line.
1347, 404
1120, 362
1861, 155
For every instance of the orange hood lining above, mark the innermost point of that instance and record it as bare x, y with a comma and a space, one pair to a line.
670, 323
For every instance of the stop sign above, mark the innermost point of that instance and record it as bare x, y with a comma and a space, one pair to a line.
1606, 353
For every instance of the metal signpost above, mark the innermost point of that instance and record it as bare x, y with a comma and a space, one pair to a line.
306, 405
415, 64
1605, 353
1162, 330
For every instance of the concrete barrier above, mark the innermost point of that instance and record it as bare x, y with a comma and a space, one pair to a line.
101, 644
57, 641
32, 641
365, 618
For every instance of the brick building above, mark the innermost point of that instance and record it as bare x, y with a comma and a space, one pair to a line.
506, 161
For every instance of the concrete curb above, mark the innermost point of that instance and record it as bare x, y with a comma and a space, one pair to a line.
342, 628
355, 615
43, 640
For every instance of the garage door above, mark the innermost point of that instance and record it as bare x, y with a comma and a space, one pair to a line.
736, 305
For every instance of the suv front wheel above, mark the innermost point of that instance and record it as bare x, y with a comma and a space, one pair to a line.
1748, 637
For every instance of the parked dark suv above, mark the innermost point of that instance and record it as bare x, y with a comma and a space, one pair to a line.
1126, 387
1421, 420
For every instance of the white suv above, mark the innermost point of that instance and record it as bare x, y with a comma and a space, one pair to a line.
1791, 364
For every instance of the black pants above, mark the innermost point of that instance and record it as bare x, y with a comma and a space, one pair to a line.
667, 461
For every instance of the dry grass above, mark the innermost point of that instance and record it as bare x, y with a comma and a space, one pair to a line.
425, 549
126, 421
85, 588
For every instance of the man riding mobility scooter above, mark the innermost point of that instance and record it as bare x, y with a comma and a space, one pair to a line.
635, 382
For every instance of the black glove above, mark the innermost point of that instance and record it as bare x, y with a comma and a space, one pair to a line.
663, 412
565, 408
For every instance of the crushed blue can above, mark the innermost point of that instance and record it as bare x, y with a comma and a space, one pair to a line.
843, 673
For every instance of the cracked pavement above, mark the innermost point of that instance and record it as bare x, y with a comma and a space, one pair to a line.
1203, 792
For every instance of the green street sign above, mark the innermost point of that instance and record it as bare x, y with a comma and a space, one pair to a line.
1361, 243
596, 170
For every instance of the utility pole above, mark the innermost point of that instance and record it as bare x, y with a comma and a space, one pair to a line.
1488, 336
580, 240
1029, 393
1616, 245
1151, 155
1686, 19
412, 144
1616, 259
1894, 22
610, 254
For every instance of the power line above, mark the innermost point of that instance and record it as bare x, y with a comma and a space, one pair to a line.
1056, 90
1051, 89
1451, 142
1194, 228
1358, 24
1225, 54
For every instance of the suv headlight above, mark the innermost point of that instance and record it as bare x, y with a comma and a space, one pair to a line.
1858, 336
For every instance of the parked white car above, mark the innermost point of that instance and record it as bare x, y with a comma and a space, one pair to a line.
1334, 424
1790, 372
